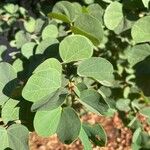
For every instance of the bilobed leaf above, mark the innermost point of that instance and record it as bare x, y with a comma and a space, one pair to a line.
10, 111
18, 137
50, 31
98, 68
85, 140
90, 27
69, 126
96, 133
51, 101
74, 48
46, 122
64, 11
46, 44
7, 75
11, 8
140, 31
27, 49
93, 101
138, 53
45, 80
3, 138
113, 15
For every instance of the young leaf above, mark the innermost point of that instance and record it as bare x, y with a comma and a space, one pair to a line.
50, 31
3, 138
85, 140
74, 48
46, 122
140, 31
45, 80
93, 101
69, 126
98, 68
7, 81
30, 25
90, 27
113, 15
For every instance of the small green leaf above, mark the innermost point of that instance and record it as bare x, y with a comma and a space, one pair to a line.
96, 133
69, 126
145, 111
113, 15
10, 111
64, 11
50, 31
7, 82
90, 27
18, 137
27, 49
46, 44
146, 3
46, 122
11, 8
138, 53
140, 31
123, 104
93, 101
74, 48
3, 138
51, 101
45, 80
136, 139
85, 140
30, 25
98, 68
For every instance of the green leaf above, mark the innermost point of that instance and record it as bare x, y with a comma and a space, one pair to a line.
38, 25
46, 44
45, 80
46, 122
27, 49
64, 11
96, 11
18, 137
136, 139
10, 111
145, 111
138, 53
11, 8
74, 48
69, 126
98, 68
85, 140
51, 101
146, 3
90, 27
3, 49
140, 31
113, 15
123, 104
93, 101
3, 138
30, 25
7, 82
21, 38
50, 31
96, 133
